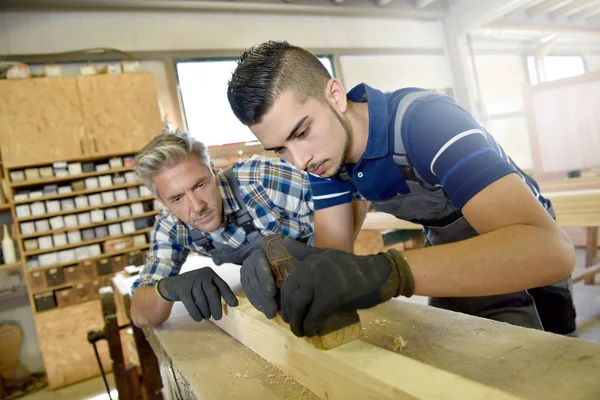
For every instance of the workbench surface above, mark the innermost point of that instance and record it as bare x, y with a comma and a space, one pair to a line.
209, 364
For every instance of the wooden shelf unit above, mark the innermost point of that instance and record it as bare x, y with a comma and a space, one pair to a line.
29, 256
48, 181
84, 209
77, 193
4, 267
92, 225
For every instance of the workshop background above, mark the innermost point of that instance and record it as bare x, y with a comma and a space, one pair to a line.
73, 214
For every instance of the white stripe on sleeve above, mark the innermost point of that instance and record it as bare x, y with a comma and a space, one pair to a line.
450, 142
330, 196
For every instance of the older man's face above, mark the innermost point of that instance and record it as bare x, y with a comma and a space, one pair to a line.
190, 190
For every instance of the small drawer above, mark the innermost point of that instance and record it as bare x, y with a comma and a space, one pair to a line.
67, 204
119, 263
93, 288
55, 277
44, 301
42, 225
134, 258
101, 231
37, 280
81, 202
81, 292
104, 266
87, 269
30, 244
71, 274
64, 297
95, 199
78, 185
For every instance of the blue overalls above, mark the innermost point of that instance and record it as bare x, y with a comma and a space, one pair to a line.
547, 308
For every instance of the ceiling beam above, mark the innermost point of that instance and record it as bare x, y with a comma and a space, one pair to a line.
524, 6
547, 7
571, 8
468, 15
546, 25
585, 14
423, 3
402, 10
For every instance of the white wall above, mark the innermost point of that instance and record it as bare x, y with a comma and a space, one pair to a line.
501, 80
389, 72
592, 62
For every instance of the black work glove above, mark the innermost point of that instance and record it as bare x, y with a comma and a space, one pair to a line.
326, 281
259, 283
200, 291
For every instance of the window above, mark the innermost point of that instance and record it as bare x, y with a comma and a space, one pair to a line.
551, 68
203, 86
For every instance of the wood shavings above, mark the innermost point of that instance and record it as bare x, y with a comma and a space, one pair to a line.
380, 322
238, 375
399, 343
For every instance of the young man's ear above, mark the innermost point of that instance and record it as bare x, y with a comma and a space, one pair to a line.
335, 93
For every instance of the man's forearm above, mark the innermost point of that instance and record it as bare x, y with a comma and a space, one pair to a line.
510, 259
147, 308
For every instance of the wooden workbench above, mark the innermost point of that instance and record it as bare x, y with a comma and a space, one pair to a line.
206, 362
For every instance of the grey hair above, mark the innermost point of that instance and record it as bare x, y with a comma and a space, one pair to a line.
164, 151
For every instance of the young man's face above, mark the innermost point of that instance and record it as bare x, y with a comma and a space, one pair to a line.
314, 136
190, 190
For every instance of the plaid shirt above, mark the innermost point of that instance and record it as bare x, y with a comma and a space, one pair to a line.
277, 197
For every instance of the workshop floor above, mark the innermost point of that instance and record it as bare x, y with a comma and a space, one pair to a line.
587, 301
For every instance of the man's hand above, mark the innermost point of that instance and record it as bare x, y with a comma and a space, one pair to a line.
200, 291
324, 281
259, 283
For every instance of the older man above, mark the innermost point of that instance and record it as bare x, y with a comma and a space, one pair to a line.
221, 214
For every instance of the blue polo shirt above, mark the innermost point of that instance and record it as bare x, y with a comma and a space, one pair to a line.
445, 144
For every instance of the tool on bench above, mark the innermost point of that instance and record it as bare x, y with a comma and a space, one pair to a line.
339, 328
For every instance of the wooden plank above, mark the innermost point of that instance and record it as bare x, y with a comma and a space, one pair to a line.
526, 362
353, 370
382, 221
587, 274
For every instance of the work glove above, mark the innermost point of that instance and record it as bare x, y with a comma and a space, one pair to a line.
323, 282
259, 283
200, 291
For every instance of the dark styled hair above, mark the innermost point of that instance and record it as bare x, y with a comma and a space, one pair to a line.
265, 70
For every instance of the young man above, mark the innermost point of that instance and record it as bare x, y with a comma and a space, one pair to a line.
222, 214
493, 246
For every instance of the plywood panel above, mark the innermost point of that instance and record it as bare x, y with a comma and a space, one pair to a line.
62, 333
120, 111
564, 124
40, 121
